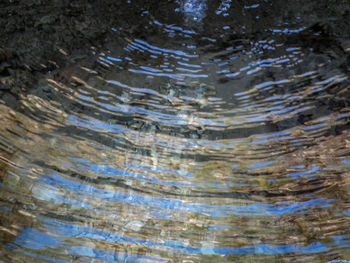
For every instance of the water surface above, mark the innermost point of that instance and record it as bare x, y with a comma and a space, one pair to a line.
217, 133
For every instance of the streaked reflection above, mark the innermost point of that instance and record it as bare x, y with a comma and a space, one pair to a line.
188, 145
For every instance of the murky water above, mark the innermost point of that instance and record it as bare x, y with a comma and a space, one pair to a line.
220, 133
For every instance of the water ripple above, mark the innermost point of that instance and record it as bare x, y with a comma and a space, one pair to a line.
197, 141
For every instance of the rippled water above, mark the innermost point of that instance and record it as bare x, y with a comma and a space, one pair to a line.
219, 134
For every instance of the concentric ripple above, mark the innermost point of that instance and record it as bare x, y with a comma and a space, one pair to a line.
197, 144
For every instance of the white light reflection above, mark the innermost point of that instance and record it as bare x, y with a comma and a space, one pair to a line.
194, 10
